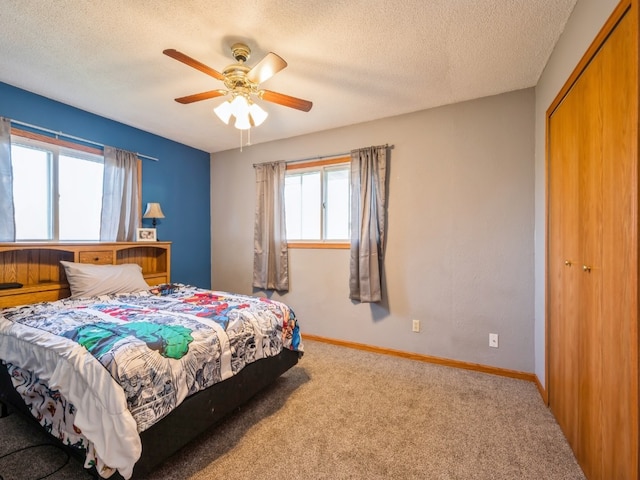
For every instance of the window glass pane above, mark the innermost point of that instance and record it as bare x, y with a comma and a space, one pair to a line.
337, 204
302, 206
32, 193
293, 206
80, 198
311, 203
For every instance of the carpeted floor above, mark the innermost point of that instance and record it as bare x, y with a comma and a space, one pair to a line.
348, 414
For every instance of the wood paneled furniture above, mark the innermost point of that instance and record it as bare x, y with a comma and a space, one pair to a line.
37, 266
592, 253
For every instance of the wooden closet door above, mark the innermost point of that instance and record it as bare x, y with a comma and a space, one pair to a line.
619, 338
593, 305
588, 94
563, 266
575, 246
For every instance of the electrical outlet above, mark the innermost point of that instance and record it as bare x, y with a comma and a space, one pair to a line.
416, 326
493, 340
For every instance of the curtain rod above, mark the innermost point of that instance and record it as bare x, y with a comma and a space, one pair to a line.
320, 157
72, 137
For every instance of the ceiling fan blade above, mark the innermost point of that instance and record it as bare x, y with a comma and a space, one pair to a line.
266, 68
286, 100
181, 57
201, 96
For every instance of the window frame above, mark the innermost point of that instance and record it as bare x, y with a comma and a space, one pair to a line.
320, 165
66, 144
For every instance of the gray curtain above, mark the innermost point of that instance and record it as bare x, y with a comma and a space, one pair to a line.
120, 198
368, 222
270, 252
7, 211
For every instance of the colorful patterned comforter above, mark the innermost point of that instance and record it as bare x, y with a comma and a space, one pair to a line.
125, 361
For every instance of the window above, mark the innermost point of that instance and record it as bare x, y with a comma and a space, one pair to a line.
317, 203
57, 190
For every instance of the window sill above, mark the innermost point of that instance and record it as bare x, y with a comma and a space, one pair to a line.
320, 245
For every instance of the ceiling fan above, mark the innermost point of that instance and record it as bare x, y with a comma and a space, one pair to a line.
242, 83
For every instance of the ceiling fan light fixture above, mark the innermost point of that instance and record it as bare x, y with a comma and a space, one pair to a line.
258, 114
240, 106
246, 113
224, 111
240, 109
243, 122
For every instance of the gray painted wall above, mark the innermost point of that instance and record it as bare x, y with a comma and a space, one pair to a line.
460, 233
585, 22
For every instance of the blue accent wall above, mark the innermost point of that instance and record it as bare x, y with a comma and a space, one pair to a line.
180, 181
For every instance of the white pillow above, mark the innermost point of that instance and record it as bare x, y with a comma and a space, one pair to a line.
89, 280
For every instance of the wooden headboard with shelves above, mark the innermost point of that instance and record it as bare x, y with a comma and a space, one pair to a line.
37, 266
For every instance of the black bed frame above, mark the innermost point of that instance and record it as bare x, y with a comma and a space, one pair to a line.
195, 415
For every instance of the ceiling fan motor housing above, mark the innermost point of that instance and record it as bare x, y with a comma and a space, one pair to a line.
240, 52
236, 79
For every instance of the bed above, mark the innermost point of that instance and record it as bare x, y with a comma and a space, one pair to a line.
126, 378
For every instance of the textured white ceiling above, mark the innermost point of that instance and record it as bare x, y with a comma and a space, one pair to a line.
356, 60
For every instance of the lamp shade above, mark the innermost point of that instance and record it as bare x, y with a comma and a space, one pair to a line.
223, 111
258, 114
243, 122
153, 211
240, 106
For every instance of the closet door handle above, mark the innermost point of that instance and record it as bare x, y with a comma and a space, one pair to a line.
568, 263
586, 268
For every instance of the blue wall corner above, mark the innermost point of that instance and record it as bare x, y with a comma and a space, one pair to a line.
179, 181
